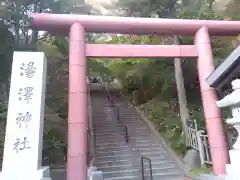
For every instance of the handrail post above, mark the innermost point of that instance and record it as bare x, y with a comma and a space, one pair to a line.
142, 166
117, 114
126, 134
150, 167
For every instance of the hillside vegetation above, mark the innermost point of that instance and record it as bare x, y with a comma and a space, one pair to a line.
152, 80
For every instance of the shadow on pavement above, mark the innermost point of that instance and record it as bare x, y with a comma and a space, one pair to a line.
58, 174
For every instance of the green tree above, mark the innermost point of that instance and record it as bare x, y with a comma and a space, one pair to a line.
6, 49
153, 81
16, 34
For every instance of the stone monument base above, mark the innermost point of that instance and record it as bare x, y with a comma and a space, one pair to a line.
42, 174
232, 170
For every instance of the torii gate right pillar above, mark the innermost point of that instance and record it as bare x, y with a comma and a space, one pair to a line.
213, 117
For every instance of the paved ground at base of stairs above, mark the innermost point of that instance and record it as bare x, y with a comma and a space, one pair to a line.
61, 175
208, 177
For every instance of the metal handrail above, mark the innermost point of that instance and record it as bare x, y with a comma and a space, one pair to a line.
142, 158
150, 167
110, 99
116, 110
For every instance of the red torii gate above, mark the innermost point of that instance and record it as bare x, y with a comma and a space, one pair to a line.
79, 50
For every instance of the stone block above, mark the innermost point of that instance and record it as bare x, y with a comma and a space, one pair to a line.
192, 159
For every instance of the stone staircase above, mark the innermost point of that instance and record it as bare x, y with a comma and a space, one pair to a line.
119, 160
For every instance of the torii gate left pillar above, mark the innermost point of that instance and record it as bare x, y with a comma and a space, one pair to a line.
78, 111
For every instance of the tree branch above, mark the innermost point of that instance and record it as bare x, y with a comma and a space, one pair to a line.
169, 6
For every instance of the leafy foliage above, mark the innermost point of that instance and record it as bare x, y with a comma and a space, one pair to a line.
16, 34
152, 81
6, 49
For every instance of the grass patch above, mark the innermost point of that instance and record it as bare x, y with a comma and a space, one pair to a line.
198, 171
177, 144
167, 123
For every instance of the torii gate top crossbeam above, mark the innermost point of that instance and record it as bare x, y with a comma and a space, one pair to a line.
128, 25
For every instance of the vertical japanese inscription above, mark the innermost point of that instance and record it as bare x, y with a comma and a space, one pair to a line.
21, 144
25, 94
27, 70
23, 119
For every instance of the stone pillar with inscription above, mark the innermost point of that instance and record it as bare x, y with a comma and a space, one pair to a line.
22, 158
233, 101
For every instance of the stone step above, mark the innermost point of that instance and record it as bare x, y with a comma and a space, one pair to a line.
157, 175
123, 145
108, 127
149, 154
119, 128
123, 178
119, 156
144, 151
156, 162
113, 163
106, 139
123, 165
126, 157
112, 136
155, 169
109, 149
119, 133
103, 139
136, 146
117, 159
128, 121
176, 177
131, 119
116, 125
122, 126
